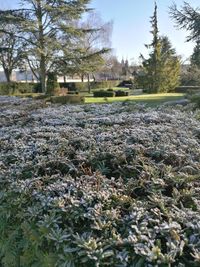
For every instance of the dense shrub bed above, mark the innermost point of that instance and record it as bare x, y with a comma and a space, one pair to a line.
98, 185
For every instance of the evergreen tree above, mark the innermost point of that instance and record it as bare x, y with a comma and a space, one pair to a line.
53, 87
187, 18
151, 65
195, 58
169, 66
160, 72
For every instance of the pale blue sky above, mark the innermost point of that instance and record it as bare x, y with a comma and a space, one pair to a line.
131, 24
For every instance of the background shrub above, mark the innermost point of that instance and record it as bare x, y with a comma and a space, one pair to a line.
102, 93
121, 93
53, 87
187, 89
83, 86
13, 88
196, 99
126, 83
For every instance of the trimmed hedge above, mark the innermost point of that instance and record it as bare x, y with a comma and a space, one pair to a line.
67, 99
121, 93
196, 99
13, 88
83, 86
53, 87
110, 93
103, 93
104, 84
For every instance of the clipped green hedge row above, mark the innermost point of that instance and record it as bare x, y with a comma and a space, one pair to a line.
121, 93
110, 93
13, 88
18, 88
83, 86
104, 84
196, 99
102, 93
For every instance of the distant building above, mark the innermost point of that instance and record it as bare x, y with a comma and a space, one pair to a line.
19, 76
27, 76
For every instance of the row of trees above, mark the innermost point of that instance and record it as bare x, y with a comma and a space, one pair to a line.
49, 36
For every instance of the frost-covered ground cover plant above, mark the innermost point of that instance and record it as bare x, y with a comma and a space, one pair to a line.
98, 185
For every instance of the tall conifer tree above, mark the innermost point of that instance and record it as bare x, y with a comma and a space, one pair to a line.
161, 69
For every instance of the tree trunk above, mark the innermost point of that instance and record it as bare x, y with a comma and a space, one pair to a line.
8, 75
43, 73
94, 78
89, 87
42, 46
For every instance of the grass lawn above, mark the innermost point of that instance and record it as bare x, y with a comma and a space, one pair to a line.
151, 99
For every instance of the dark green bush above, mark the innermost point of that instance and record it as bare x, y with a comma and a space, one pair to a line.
53, 87
103, 93
75, 86
72, 86
145, 91
196, 99
121, 93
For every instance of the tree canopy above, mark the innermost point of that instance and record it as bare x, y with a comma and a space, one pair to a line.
187, 18
11, 50
50, 31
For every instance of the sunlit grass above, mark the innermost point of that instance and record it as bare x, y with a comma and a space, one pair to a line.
151, 99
